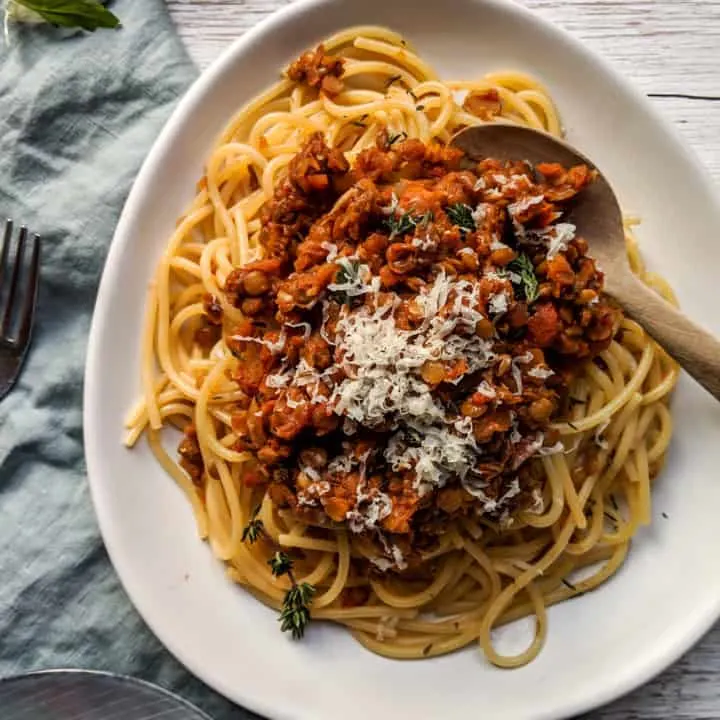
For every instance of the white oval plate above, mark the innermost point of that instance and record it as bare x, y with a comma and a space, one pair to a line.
599, 646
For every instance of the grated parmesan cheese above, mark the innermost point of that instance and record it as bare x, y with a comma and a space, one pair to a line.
538, 503
369, 511
498, 302
383, 362
388, 623
557, 237
307, 329
341, 464
392, 207
332, 250
312, 494
277, 380
424, 243
558, 447
540, 372
383, 565
479, 213
273, 347
435, 452
484, 388
357, 283
312, 473
325, 318
513, 277
394, 552
475, 487
517, 373
521, 206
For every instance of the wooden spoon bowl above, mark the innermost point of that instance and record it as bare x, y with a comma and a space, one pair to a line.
597, 215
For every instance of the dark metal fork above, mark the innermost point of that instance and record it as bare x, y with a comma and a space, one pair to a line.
19, 274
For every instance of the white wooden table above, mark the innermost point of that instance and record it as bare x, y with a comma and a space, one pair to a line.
670, 49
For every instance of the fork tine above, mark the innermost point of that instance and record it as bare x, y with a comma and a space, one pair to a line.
5, 249
14, 282
27, 312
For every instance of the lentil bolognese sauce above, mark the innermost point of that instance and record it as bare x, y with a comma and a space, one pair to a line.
406, 404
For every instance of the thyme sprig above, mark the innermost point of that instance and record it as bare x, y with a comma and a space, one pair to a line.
295, 612
349, 273
295, 615
522, 266
403, 223
254, 529
280, 564
461, 215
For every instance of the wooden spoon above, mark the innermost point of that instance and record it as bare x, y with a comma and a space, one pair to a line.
596, 213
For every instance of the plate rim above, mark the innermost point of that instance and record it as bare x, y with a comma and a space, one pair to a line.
107, 675
643, 670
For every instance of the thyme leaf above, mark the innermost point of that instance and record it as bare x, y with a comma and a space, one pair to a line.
280, 564
295, 613
403, 223
349, 273
461, 215
254, 529
522, 266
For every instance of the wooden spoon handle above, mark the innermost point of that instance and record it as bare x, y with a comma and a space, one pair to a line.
692, 346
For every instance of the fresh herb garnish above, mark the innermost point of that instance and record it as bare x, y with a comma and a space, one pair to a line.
522, 266
419, 107
461, 215
280, 564
425, 219
295, 612
396, 137
86, 14
254, 529
400, 224
348, 274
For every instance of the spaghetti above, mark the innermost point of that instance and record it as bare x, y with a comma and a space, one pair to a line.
571, 530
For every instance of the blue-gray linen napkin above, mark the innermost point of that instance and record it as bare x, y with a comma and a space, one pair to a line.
78, 113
